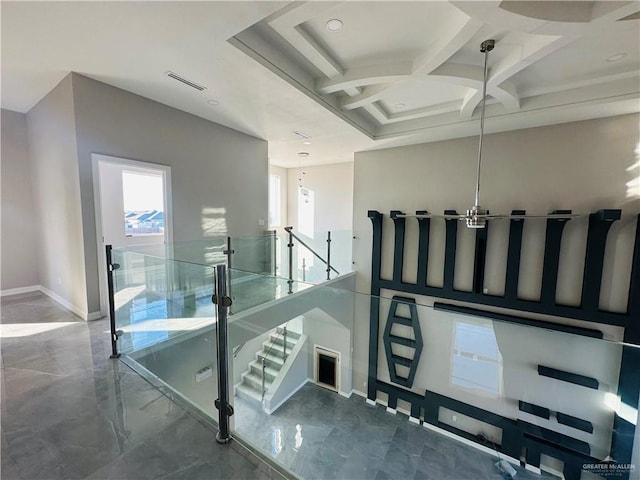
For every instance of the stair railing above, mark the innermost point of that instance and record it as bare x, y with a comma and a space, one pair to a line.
266, 354
290, 245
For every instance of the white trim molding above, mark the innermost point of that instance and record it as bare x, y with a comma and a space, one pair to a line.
17, 291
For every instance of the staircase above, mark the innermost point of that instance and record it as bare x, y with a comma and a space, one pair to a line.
272, 351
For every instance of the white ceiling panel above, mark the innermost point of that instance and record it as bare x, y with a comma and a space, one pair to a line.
274, 68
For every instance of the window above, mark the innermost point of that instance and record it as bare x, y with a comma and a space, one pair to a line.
143, 197
477, 362
274, 200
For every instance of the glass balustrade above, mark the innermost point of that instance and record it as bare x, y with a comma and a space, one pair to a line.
165, 322
452, 394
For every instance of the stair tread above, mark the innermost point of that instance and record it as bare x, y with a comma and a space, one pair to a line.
280, 337
274, 347
290, 333
268, 369
254, 376
274, 356
249, 391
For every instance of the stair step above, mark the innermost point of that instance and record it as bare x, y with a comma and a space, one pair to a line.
275, 349
255, 381
270, 372
250, 394
273, 360
290, 333
279, 340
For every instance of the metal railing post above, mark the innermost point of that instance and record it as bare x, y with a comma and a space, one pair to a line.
329, 255
111, 267
222, 302
292, 235
284, 349
304, 269
290, 245
229, 252
264, 368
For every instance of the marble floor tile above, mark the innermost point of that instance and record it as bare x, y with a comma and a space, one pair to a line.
69, 411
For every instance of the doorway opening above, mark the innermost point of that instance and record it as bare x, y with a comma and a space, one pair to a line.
327, 368
133, 207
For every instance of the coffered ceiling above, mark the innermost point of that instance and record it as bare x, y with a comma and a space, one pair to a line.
398, 69
395, 73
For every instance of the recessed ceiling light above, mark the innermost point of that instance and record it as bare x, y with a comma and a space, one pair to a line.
616, 57
306, 143
334, 25
400, 106
213, 103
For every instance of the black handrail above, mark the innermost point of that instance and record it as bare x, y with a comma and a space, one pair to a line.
289, 230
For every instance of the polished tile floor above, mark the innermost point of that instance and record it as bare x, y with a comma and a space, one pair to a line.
318, 434
68, 411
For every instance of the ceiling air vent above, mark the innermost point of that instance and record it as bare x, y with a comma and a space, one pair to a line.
177, 77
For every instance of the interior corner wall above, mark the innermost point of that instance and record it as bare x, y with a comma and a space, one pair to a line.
583, 166
56, 193
219, 175
333, 192
18, 253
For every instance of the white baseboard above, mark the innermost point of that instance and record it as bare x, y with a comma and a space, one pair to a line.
17, 291
84, 315
56, 298
269, 411
95, 316
359, 393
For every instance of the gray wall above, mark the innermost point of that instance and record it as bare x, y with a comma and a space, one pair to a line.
217, 173
219, 176
56, 189
583, 166
18, 246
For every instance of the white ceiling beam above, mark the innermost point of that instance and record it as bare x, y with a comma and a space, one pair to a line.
452, 36
429, 111
289, 25
377, 112
505, 93
369, 95
364, 76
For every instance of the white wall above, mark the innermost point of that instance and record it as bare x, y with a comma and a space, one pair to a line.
56, 190
18, 253
326, 332
219, 175
333, 188
333, 197
284, 193
583, 166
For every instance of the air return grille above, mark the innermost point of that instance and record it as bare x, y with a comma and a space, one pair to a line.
179, 78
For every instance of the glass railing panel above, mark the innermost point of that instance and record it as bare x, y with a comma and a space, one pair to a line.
250, 290
166, 324
472, 384
306, 266
261, 350
254, 253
